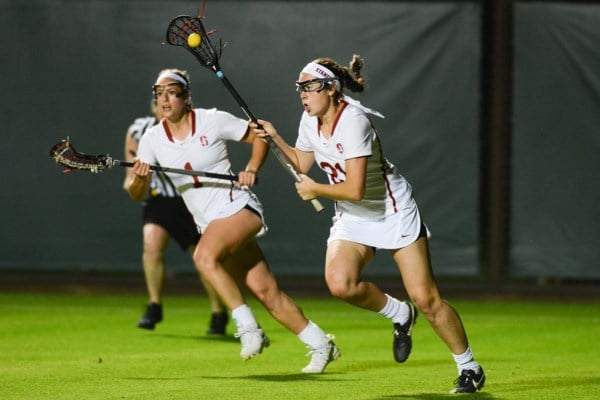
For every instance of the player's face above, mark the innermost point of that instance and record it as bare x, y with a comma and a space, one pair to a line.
315, 97
170, 98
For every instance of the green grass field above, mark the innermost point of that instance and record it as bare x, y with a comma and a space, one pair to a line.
66, 346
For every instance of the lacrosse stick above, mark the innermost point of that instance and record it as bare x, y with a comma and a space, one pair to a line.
64, 154
178, 32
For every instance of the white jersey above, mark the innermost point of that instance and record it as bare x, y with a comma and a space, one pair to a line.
354, 136
204, 149
387, 216
160, 185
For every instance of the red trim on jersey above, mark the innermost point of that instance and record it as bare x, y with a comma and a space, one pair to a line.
168, 131
193, 122
384, 164
344, 104
387, 185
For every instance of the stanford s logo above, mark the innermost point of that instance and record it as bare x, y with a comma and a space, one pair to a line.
203, 141
340, 148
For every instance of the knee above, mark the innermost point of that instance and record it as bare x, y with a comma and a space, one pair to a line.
155, 239
263, 285
152, 254
268, 297
204, 261
339, 288
428, 303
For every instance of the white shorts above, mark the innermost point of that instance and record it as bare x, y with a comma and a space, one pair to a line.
240, 203
393, 232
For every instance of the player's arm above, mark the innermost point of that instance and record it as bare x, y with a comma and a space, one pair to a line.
140, 180
351, 188
259, 153
306, 159
131, 147
267, 129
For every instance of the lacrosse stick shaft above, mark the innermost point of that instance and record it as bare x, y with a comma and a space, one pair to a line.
158, 168
178, 32
64, 154
272, 145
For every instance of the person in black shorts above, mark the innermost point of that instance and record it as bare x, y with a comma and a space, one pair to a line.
165, 216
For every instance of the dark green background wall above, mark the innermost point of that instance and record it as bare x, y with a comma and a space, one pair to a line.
555, 214
83, 69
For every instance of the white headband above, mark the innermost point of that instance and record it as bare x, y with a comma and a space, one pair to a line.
320, 71
172, 75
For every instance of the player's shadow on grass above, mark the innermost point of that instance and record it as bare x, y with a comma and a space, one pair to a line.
203, 338
435, 396
281, 377
550, 381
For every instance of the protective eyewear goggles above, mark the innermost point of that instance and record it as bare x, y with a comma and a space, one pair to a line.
172, 89
313, 85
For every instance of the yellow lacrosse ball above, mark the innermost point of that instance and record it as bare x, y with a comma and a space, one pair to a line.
194, 40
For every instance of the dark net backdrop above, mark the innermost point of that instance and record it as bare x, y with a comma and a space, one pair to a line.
555, 218
84, 69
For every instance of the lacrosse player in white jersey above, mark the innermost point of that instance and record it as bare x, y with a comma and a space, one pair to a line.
374, 208
229, 215
164, 216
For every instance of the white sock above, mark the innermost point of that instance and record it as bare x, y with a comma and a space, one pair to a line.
243, 317
396, 310
312, 335
466, 361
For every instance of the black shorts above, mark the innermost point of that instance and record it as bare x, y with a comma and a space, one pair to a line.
172, 214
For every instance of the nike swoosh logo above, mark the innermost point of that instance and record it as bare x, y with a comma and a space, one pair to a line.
477, 383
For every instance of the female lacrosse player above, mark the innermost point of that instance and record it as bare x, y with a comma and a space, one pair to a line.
228, 215
374, 208
164, 216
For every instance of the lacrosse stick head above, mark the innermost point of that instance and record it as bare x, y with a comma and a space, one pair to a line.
206, 53
64, 154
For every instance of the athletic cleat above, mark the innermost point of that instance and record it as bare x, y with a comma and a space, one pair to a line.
151, 317
469, 381
218, 323
321, 356
402, 340
253, 342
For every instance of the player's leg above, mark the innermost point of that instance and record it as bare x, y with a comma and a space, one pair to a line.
218, 311
263, 284
219, 316
344, 263
155, 239
222, 238
181, 226
415, 266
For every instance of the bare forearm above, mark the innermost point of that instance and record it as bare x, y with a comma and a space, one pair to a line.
131, 146
352, 188
137, 186
260, 151
289, 152
339, 191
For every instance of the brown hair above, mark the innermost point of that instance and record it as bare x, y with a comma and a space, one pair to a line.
349, 77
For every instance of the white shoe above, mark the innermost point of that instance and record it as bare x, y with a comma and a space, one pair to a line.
253, 342
321, 356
